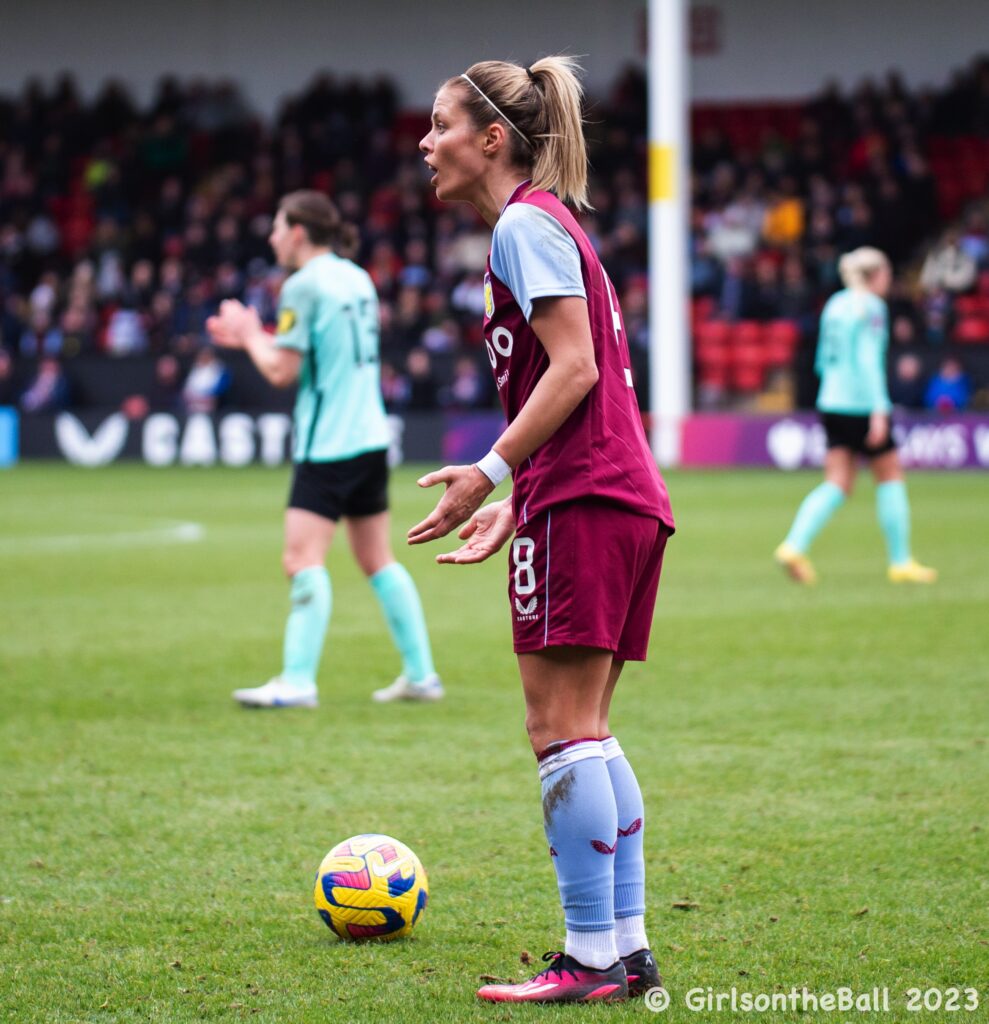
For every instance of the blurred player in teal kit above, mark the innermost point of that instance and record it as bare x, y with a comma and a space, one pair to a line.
327, 341
855, 410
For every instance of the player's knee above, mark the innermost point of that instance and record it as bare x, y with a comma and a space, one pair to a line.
294, 560
538, 731
371, 563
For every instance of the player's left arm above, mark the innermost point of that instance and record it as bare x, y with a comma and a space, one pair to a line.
239, 326
484, 534
872, 341
563, 326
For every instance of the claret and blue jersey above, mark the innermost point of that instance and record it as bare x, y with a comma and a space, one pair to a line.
851, 354
600, 453
328, 312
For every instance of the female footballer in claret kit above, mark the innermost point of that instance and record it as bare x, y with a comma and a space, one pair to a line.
589, 511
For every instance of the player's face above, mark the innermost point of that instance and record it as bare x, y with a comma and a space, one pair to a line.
881, 281
453, 149
282, 241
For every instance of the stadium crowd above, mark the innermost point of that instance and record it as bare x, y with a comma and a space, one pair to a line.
122, 229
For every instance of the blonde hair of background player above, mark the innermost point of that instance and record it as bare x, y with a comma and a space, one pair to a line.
858, 267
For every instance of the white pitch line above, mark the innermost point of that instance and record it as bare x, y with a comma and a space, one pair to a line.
171, 532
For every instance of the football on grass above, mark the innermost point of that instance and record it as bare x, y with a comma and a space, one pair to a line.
371, 887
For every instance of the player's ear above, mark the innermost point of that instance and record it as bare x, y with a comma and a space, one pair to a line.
495, 139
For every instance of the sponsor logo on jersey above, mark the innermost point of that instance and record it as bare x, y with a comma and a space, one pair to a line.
526, 611
488, 297
286, 320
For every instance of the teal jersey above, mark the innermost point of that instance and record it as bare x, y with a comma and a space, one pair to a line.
851, 354
328, 312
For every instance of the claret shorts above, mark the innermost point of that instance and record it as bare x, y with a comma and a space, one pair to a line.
586, 574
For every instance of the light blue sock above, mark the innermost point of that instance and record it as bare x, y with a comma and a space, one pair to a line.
400, 602
893, 512
581, 823
630, 866
305, 630
813, 515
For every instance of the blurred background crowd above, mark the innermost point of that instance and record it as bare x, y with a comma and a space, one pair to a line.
121, 230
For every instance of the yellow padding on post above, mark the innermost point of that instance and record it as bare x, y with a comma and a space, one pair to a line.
662, 172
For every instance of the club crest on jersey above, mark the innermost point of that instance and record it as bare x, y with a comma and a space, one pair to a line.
286, 320
526, 611
488, 297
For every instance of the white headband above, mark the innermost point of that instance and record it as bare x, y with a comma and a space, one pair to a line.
490, 103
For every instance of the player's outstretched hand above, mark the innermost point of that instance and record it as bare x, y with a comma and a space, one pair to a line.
485, 532
232, 325
466, 488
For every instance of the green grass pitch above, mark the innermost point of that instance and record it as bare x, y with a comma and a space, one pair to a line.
815, 762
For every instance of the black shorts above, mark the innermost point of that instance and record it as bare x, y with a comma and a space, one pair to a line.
348, 487
851, 431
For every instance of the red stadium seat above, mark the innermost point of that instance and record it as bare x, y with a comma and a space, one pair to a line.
702, 308
748, 356
712, 334
972, 305
713, 353
781, 340
747, 332
972, 330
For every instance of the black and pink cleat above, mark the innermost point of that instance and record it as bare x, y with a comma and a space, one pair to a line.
642, 972
564, 981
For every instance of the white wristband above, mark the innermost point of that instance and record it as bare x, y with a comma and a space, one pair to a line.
494, 467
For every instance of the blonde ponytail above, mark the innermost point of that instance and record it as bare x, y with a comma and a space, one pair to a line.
541, 106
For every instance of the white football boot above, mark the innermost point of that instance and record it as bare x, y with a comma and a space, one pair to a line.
276, 693
404, 689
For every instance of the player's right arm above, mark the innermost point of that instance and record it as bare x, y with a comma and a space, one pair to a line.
239, 326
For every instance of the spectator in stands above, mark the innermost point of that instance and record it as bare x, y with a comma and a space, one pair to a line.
783, 224
468, 389
949, 390
936, 310
77, 331
423, 390
208, 381
906, 383
396, 388
125, 333
49, 391
949, 267
166, 394
8, 388
43, 337
974, 239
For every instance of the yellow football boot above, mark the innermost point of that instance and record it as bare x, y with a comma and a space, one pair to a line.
911, 572
796, 564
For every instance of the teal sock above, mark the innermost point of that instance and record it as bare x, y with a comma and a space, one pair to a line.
305, 630
893, 512
813, 515
403, 611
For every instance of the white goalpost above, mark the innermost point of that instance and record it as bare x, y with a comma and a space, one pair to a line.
669, 340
